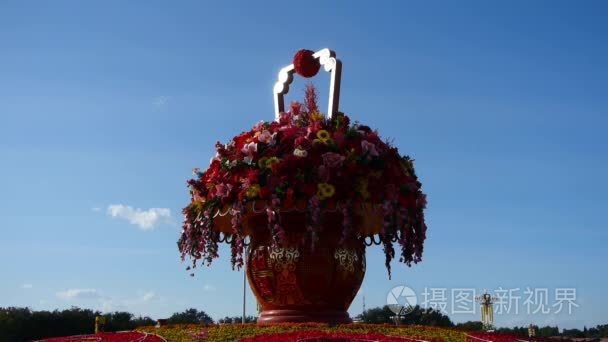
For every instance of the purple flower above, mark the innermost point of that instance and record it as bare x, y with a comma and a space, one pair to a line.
332, 160
323, 173
369, 148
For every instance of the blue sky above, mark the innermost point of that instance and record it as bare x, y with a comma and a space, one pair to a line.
503, 106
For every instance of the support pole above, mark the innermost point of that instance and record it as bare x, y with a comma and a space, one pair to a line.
244, 284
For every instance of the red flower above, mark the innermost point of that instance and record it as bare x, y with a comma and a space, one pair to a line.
339, 138
289, 197
302, 142
407, 201
252, 176
309, 189
295, 108
265, 193
305, 64
241, 139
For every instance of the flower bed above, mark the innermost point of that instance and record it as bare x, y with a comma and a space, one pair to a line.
490, 337
125, 336
239, 332
321, 336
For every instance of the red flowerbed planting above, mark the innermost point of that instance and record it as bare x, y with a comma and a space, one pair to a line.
320, 336
128, 336
491, 337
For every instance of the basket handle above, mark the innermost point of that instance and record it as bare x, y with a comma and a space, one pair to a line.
327, 59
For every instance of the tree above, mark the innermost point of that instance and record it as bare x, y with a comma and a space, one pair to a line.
23, 324
238, 319
143, 321
547, 331
470, 326
416, 315
377, 315
573, 333
190, 316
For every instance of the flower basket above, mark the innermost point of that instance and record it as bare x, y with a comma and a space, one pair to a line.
307, 194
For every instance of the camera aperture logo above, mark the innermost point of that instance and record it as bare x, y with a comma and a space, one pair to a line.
401, 300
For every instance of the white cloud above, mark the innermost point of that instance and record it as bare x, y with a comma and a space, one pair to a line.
96, 209
144, 219
160, 101
27, 286
106, 305
209, 287
148, 296
78, 294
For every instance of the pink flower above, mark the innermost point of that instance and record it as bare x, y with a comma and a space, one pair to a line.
250, 148
217, 157
248, 160
369, 148
258, 127
222, 190
332, 160
266, 137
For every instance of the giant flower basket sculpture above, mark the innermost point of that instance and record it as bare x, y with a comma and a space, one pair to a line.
307, 194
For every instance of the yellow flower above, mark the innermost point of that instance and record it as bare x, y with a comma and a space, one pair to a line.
316, 116
375, 174
323, 135
253, 191
325, 190
351, 155
271, 161
266, 163
407, 166
262, 162
361, 188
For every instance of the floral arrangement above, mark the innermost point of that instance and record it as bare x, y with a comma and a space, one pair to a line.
305, 157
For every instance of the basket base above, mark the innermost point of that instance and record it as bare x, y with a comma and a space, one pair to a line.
293, 316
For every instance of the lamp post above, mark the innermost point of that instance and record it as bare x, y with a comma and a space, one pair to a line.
486, 302
531, 330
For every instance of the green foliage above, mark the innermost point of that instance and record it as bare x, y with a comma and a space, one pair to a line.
23, 324
190, 316
470, 326
417, 316
121, 321
238, 319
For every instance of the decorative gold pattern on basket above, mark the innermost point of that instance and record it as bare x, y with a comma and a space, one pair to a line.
284, 257
284, 262
346, 259
261, 273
